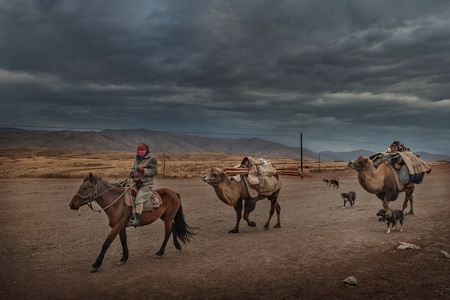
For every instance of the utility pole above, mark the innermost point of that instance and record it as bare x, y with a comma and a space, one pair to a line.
319, 162
164, 164
301, 155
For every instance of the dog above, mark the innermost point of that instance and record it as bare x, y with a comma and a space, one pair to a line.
332, 183
350, 197
391, 217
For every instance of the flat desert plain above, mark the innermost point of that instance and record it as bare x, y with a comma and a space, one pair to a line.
47, 249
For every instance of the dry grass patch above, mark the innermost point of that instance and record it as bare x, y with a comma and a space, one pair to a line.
54, 163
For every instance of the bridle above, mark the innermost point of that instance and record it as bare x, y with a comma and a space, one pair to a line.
87, 199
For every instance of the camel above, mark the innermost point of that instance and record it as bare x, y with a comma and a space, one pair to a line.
382, 182
233, 192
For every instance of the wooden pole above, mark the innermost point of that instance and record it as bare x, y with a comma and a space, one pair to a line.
301, 155
319, 162
164, 164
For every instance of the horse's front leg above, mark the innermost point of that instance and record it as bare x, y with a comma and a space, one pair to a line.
238, 209
98, 262
123, 241
249, 206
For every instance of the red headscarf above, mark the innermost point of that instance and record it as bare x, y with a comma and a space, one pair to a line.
142, 150
141, 146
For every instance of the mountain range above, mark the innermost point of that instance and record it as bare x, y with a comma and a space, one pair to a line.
160, 141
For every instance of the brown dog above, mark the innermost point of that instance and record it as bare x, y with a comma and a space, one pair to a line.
391, 217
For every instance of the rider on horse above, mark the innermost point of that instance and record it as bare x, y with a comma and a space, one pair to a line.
143, 173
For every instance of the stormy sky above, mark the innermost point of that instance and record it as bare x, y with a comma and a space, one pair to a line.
346, 74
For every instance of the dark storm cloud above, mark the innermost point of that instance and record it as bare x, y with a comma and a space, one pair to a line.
359, 71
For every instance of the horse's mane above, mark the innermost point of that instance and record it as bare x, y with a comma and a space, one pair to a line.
104, 181
87, 177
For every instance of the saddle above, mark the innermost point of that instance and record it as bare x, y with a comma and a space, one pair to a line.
130, 193
261, 178
271, 184
405, 164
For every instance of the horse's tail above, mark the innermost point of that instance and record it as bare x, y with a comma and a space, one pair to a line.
183, 231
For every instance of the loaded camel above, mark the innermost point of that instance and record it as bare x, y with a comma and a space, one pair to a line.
382, 182
236, 193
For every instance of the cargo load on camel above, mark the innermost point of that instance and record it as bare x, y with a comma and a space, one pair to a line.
410, 167
259, 174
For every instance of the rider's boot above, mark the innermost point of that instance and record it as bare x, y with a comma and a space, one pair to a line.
136, 220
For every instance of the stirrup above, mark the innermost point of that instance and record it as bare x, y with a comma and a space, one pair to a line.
132, 221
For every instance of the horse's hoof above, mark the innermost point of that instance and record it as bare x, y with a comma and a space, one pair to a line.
252, 224
93, 270
157, 256
121, 263
266, 228
234, 231
277, 226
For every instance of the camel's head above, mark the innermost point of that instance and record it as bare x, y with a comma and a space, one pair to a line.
359, 164
214, 177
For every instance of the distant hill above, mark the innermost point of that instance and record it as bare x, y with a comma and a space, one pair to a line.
344, 156
126, 140
433, 157
66, 139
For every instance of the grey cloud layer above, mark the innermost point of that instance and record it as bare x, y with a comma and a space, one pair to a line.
328, 68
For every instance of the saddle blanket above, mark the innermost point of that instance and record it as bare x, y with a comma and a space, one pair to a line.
411, 170
415, 164
148, 205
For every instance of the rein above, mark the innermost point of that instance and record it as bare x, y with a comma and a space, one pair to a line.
88, 202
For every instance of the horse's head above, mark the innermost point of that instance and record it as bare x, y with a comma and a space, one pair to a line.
214, 177
87, 192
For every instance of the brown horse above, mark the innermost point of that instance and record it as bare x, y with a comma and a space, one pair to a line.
111, 198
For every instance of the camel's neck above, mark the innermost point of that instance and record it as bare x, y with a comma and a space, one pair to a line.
370, 180
230, 192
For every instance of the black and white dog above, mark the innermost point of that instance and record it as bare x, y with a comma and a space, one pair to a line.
350, 197
332, 183
391, 217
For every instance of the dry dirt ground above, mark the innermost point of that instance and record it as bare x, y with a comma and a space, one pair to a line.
47, 249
